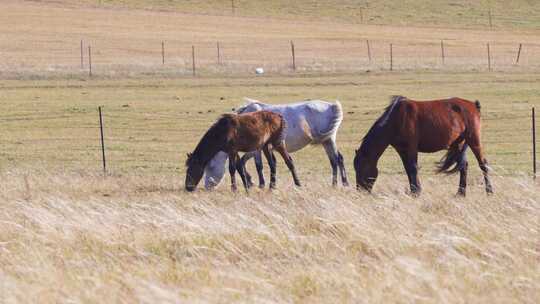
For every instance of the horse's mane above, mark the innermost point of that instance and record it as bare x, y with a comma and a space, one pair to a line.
249, 102
380, 123
212, 141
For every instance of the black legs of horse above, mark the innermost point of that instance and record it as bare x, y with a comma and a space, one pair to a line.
336, 161
483, 164
236, 164
410, 162
334, 156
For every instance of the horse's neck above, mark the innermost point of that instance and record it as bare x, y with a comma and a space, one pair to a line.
376, 146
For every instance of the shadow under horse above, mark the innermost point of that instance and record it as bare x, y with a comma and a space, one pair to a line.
233, 133
423, 126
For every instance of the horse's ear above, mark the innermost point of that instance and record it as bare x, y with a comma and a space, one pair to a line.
189, 155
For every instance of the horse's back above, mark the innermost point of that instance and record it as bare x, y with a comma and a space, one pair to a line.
437, 123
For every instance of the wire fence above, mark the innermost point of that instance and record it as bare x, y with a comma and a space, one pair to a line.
138, 140
180, 58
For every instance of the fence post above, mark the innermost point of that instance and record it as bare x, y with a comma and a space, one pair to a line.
102, 141
218, 54
233, 8
90, 61
368, 50
442, 51
82, 55
518, 53
293, 56
490, 24
193, 59
391, 58
162, 52
488, 57
534, 141
361, 15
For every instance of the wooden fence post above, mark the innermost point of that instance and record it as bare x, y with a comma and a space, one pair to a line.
518, 53
89, 61
293, 56
361, 15
442, 51
488, 57
162, 52
534, 142
82, 56
490, 23
368, 50
102, 142
391, 58
233, 8
193, 59
218, 54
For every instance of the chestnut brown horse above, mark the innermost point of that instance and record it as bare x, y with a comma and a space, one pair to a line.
234, 133
423, 126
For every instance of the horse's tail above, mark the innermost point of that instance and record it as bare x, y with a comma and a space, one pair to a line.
335, 122
454, 157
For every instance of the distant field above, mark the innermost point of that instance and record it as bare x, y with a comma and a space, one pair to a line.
519, 14
43, 40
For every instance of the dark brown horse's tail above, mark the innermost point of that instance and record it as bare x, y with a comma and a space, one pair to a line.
454, 157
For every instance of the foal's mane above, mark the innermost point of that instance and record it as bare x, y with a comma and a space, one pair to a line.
212, 141
380, 123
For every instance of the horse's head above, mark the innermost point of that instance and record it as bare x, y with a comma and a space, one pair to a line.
366, 170
194, 172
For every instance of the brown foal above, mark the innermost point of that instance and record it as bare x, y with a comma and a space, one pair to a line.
234, 133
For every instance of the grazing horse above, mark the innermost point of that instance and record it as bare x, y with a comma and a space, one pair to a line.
234, 133
412, 126
308, 122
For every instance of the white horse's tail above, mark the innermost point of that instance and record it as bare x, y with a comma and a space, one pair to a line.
334, 124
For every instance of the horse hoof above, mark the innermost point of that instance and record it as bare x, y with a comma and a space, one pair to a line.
261, 186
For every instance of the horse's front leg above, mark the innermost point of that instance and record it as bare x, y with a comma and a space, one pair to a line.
233, 156
410, 165
241, 168
259, 166
416, 189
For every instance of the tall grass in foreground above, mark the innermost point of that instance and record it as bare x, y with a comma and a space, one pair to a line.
68, 237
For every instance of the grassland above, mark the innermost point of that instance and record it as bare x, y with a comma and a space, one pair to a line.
69, 234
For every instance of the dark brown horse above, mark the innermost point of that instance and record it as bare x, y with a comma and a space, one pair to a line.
234, 133
412, 126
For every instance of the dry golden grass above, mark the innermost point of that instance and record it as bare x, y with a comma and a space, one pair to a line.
67, 237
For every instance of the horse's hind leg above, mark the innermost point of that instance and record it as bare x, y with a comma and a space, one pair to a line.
259, 166
463, 166
332, 153
288, 161
341, 165
483, 164
272, 164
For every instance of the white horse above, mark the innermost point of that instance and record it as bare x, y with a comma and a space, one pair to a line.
308, 122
